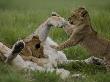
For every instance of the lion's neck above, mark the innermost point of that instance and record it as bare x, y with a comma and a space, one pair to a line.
42, 31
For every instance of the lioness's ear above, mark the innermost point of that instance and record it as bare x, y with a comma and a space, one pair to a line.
55, 14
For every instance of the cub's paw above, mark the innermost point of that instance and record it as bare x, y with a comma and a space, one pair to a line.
18, 46
34, 59
55, 47
16, 49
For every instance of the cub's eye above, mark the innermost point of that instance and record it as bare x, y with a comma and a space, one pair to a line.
74, 16
71, 22
37, 46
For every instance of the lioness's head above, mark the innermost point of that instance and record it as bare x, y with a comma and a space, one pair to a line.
79, 16
56, 20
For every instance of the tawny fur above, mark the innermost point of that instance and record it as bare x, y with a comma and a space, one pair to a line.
33, 47
81, 32
33, 51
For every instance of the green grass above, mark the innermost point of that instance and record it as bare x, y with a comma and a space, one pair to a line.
9, 74
19, 18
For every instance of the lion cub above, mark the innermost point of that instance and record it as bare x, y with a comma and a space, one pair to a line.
81, 32
33, 50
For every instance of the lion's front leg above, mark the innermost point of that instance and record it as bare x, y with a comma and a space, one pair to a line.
64, 45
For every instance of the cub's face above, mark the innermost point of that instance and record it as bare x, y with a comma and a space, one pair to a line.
34, 46
79, 16
34, 42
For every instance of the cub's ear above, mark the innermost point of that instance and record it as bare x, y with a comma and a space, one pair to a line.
83, 12
35, 37
55, 14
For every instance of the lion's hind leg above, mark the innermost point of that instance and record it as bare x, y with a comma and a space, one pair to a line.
4, 50
16, 49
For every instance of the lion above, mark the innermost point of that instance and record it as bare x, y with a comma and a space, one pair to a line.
81, 32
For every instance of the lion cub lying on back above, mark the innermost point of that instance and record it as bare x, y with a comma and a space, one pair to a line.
33, 47
33, 50
81, 32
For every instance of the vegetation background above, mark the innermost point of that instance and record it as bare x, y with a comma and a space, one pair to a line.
19, 18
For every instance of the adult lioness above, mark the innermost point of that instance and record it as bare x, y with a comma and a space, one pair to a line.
81, 32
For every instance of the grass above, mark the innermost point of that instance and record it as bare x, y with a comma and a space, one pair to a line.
19, 18
8, 74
